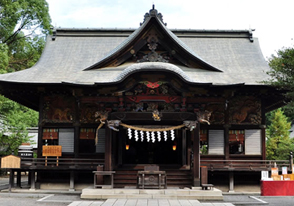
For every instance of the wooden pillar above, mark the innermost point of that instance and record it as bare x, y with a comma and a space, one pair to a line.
196, 156
231, 184
11, 180
72, 181
108, 148
33, 183
227, 146
121, 147
263, 142
18, 179
40, 130
184, 147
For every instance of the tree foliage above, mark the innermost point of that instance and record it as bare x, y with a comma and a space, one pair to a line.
23, 27
282, 76
278, 144
23, 24
15, 119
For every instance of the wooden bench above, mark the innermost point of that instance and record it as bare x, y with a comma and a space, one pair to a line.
207, 186
103, 173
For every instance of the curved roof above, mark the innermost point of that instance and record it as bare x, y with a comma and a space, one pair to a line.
70, 51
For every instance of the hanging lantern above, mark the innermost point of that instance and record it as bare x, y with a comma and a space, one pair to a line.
127, 147
174, 147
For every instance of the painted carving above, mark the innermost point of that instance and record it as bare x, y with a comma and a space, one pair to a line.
245, 110
191, 125
156, 115
62, 115
101, 116
218, 113
58, 108
113, 124
87, 114
203, 116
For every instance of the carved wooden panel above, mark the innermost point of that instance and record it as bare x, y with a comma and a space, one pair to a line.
245, 110
58, 108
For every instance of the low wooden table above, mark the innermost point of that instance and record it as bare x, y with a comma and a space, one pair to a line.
207, 186
103, 173
151, 179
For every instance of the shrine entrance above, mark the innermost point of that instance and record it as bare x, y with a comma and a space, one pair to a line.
160, 148
163, 152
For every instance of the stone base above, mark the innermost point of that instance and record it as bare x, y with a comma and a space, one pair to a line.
195, 193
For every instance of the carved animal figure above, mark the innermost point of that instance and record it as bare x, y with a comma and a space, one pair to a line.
61, 114
204, 116
241, 115
156, 115
113, 124
101, 116
191, 125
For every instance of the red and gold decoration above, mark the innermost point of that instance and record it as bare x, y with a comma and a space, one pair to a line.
50, 133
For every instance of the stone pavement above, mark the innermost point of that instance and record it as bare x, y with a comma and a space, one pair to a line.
147, 202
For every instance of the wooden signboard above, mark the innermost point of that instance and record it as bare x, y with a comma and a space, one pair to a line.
10, 161
52, 151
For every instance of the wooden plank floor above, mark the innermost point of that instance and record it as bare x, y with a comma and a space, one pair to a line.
146, 202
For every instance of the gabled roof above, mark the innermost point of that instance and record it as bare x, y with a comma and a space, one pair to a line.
153, 32
104, 56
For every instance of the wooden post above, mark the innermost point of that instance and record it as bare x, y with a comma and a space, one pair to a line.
72, 181
18, 179
33, 183
11, 180
184, 148
196, 156
227, 146
231, 186
108, 142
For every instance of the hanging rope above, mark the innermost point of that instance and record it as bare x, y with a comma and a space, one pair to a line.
151, 129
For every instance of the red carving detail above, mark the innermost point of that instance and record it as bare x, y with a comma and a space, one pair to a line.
153, 85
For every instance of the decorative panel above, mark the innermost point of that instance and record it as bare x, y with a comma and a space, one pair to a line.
58, 109
245, 110
50, 133
216, 142
87, 133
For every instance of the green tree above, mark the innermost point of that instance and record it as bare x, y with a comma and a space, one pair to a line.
23, 27
278, 144
282, 76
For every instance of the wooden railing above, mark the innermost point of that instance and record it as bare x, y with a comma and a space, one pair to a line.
54, 162
244, 164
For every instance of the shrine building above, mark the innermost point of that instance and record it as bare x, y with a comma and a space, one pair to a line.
191, 102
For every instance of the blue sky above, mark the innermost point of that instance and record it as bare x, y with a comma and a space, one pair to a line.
271, 19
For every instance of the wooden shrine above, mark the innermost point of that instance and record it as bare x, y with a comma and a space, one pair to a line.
126, 99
